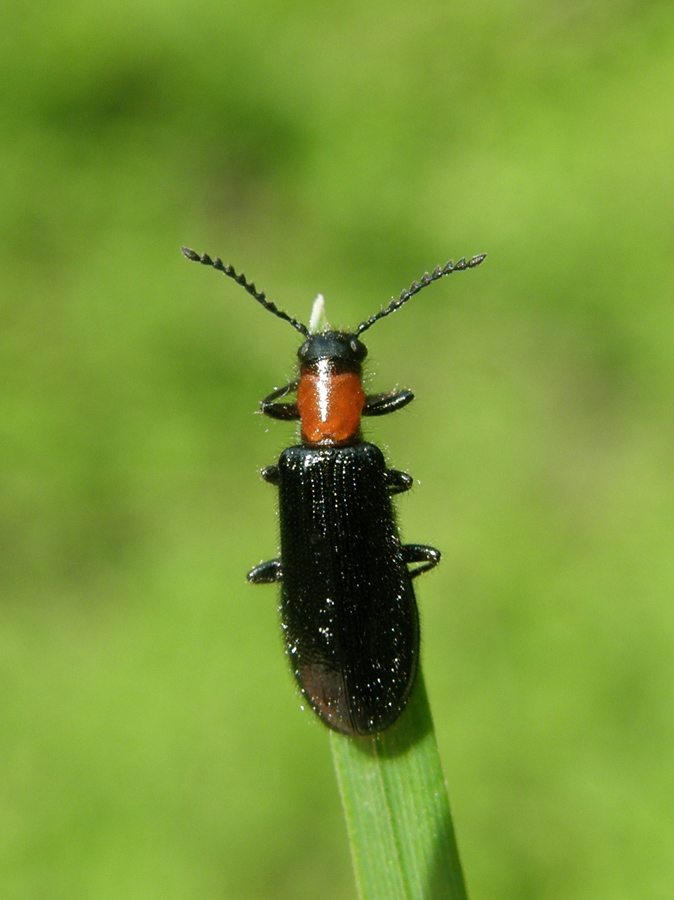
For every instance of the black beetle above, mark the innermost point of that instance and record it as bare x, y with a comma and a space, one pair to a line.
348, 611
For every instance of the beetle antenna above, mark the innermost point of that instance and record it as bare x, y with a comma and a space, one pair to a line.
240, 278
416, 286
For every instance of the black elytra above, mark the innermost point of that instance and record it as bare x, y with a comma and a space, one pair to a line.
348, 611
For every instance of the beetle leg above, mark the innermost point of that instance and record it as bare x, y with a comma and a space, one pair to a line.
398, 481
280, 410
266, 573
382, 404
420, 553
270, 474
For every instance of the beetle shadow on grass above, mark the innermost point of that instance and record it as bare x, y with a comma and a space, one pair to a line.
438, 867
413, 725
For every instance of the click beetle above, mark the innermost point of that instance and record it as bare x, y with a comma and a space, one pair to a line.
348, 610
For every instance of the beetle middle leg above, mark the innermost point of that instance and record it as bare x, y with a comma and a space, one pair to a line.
398, 481
271, 474
429, 557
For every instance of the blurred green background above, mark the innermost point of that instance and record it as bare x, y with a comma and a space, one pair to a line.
151, 741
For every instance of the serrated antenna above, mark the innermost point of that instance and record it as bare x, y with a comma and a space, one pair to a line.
416, 286
240, 278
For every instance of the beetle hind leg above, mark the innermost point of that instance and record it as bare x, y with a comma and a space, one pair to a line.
429, 557
266, 573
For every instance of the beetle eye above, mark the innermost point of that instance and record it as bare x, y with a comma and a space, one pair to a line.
358, 348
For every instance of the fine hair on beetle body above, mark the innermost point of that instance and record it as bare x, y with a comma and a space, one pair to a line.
348, 611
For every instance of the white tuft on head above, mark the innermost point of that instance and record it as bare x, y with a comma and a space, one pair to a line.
318, 320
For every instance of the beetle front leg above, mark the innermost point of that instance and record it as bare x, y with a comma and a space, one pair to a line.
275, 410
429, 557
382, 404
266, 573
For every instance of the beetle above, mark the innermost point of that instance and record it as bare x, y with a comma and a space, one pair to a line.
348, 611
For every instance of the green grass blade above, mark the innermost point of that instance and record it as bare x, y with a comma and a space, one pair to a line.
397, 810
